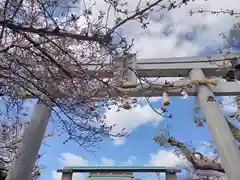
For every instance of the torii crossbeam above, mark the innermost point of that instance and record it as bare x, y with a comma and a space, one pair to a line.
196, 68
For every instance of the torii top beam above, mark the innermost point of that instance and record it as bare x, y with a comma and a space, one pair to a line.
172, 67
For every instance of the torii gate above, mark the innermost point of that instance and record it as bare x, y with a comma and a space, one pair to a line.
117, 172
196, 68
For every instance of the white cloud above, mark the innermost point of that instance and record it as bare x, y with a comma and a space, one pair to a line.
152, 43
130, 161
110, 162
119, 141
165, 46
69, 159
107, 161
166, 158
131, 119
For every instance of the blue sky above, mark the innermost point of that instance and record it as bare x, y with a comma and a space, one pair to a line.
169, 34
138, 149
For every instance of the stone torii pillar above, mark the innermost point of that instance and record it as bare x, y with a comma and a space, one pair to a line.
225, 143
31, 141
